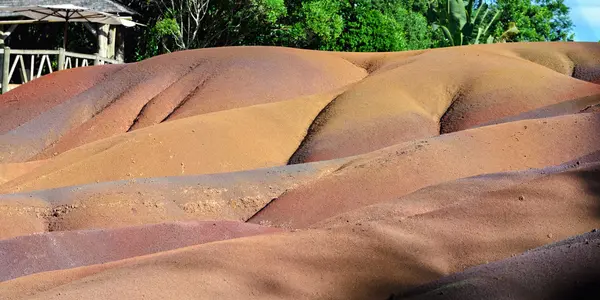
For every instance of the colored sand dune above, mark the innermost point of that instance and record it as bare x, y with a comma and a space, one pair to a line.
275, 173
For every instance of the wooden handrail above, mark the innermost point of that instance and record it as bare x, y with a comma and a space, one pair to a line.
80, 55
65, 61
91, 57
57, 52
33, 52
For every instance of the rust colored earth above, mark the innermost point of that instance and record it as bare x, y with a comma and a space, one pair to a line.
275, 173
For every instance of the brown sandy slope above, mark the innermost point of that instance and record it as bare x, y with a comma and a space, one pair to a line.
29, 101
172, 86
364, 260
401, 169
383, 175
14, 170
381, 91
234, 140
447, 90
398, 93
232, 196
444, 195
569, 269
36, 253
391, 170
578, 105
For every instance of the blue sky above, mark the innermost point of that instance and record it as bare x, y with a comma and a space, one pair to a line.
586, 18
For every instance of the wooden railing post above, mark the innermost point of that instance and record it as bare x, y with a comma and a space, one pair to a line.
103, 39
5, 69
64, 58
61, 59
1, 64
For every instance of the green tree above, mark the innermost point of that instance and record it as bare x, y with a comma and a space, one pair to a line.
187, 24
341, 25
384, 26
463, 22
537, 20
50, 36
358, 25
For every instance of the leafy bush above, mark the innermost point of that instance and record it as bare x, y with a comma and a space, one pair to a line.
464, 22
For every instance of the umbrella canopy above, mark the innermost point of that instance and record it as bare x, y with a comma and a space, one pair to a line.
67, 13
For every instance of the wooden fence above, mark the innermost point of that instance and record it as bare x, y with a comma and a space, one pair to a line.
32, 64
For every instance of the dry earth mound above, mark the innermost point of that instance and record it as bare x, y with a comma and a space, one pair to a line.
72, 249
420, 174
569, 269
489, 218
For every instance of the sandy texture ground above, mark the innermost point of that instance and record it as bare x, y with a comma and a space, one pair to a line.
274, 173
81, 247
567, 269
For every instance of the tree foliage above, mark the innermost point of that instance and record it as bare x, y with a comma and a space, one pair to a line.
360, 25
50, 36
340, 25
186, 24
464, 22
537, 20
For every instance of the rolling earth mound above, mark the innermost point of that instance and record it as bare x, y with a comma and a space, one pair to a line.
276, 173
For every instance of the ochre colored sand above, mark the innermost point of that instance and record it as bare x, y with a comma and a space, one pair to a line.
565, 270
230, 196
103, 245
239, 139
14, 170
412, 175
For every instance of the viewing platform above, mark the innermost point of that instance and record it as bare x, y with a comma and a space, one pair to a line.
21, 66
